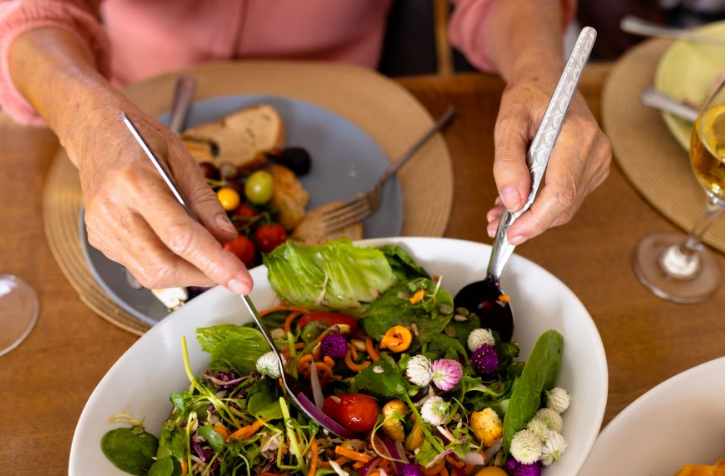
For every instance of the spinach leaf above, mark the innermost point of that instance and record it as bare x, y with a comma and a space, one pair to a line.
130, 449
233, 346
431, 314
215, 440
172, 441
539, 374
404, 267
264, 405
382, 379
464, 328
162, 467
507, 352
446, 347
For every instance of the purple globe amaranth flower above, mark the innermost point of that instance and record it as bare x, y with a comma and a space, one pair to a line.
411, 469
511, 465
446, 373
485, 360
333, 346
528, 470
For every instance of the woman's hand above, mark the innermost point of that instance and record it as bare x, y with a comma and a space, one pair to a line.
579, 162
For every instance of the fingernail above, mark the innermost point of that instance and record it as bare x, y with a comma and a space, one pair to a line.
223, 223
237, 286
517, 240
491, 232
511, 198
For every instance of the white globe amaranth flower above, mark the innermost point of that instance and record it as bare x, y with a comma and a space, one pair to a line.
551, 419
538, 428
558, 400
419, 370
526, 447
435, 411
478, 337
268, 365
553, 447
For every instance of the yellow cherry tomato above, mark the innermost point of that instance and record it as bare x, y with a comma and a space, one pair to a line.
229, 198
492, 471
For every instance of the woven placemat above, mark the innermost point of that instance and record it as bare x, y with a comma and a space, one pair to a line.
651, 158
379, 106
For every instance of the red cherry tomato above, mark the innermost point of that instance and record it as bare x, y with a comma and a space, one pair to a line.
244, 214
329, 318
268, 237
243, 248
355, 411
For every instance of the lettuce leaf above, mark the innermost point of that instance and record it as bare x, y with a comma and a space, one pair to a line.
233, 346
404, 267
336, 275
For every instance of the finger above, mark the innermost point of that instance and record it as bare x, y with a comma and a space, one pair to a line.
494, 213
201, 197
190, 240
510, 171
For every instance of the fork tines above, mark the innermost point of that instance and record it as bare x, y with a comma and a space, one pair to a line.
347, 214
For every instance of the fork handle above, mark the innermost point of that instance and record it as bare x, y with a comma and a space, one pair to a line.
440, 124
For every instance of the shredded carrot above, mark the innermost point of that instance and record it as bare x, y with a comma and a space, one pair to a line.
468, 469
222, 430
313, 462
435, 469
353, 366
328, 360
455, 461
357, 465
353, 350
342, 460
370, 348
504, 298
419, 294
286, 351
303, 363
324, 368
288, 322
184, 467
375, 473
283, 308
316, 353
444, 471
246, 432
353, 455
324, 464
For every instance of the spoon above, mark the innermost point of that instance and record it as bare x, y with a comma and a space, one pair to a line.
638, 26
295, 392
485, 298
657, 99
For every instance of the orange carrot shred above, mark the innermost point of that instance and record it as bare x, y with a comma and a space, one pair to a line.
248, 431
419, 294
353, 366
324, 368
353, 350
222, 430
184, 467
468, 469
303, 363
313, 462
353, 455
437, 469
288, 322
328, 360
504, 298
370, 347
358, 465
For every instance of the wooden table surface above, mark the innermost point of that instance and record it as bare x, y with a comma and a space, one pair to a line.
47, 380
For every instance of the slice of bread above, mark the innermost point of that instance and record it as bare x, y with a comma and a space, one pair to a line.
311, 230
288, 197
242, 138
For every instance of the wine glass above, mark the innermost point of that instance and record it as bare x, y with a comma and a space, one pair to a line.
682, 269
18, 311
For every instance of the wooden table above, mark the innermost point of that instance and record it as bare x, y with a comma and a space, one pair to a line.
47, 380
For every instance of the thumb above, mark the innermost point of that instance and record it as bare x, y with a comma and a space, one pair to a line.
510, 171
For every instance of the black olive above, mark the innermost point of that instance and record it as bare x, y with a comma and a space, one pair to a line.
296, 159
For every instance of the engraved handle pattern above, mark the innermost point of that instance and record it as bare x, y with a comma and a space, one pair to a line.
541, 147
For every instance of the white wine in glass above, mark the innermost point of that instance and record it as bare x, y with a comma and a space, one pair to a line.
679, 268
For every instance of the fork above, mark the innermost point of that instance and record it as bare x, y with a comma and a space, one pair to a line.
364, 205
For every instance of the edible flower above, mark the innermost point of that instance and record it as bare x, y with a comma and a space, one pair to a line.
411, 469
478, 337
435, 411
538, 428
333, 346
419, 370
485, 360
446, 373
526, 447
551, 419
268, 365
557, 399
397, 339
553, 448
528, 470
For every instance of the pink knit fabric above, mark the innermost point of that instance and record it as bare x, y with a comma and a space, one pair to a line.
142, 38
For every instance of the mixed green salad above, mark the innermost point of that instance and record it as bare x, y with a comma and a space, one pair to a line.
416, 385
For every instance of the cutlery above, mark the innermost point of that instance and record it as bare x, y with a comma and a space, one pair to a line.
294, 390
637, 26
183, 97
364, 205
486, 298
656, 99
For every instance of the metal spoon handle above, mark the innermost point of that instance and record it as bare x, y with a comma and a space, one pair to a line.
183, 97
656, 99
540, 149
638, 26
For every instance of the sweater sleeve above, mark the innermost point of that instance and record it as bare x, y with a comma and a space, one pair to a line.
76, 16
468, 22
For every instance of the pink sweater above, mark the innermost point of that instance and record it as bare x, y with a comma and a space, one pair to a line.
143, 38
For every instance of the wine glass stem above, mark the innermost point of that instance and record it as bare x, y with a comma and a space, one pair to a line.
713, 207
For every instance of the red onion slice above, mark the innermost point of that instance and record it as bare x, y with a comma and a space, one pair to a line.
324, 420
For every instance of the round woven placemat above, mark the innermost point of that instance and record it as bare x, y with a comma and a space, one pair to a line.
650, 157
379, 106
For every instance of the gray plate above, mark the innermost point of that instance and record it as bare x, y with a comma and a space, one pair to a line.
345, 162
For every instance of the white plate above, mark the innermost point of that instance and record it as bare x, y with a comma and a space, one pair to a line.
143, 378
682, 420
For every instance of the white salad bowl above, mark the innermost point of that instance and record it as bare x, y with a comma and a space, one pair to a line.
143, 378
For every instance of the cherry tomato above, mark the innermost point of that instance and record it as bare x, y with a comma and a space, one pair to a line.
355, 411
268, 237
229, 198
243, 248
329, 318
259, 187
244, 213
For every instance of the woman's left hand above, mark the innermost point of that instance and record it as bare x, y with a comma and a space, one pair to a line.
579, 162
